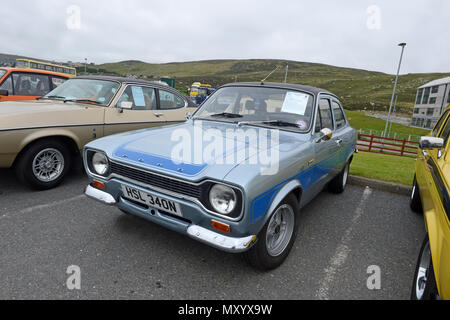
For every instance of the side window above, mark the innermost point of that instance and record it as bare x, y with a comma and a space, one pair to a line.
31, 84
445, 132
143, 98
325, 117
57, 81
339, 117
7, 85
168, 100
439, 123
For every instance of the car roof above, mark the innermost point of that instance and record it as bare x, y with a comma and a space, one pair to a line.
127, 80
279, 85
37, 71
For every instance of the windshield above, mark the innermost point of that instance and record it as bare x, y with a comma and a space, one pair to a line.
99, 91
2, 73
261, 106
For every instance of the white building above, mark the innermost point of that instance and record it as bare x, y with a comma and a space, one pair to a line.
431, 100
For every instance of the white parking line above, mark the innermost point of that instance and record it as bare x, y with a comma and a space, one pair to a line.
46, 206
342, 251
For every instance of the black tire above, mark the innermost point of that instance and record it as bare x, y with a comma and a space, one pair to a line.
424, 261
258, 256
338, 184
415, 203
24, 165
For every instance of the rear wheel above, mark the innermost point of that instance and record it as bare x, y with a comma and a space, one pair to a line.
415, 203
276, 239
44, 164
424, 284
338, 184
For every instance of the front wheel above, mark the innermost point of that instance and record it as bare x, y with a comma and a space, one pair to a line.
424, 284
276, 239
44, 164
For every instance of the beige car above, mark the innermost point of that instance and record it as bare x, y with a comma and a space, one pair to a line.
40, 139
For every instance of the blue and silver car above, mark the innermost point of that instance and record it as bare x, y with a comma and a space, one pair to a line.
237, 173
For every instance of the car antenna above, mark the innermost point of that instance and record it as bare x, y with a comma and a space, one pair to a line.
262, 81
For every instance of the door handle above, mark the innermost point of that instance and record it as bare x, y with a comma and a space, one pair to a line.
425, 154
158, 114
339, 142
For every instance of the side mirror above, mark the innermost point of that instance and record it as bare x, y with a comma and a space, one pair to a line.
4, 93
325, 135
128, 105
431, 143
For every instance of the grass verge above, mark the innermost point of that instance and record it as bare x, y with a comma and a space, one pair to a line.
383, 167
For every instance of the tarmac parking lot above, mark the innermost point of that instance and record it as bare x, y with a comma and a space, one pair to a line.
124, 257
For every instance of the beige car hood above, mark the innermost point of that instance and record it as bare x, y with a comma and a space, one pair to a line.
35, 114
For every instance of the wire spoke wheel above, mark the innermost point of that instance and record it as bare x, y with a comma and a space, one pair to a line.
48, 165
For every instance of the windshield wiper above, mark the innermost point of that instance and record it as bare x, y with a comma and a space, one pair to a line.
227, 115
51, 98
82, 100
277, 123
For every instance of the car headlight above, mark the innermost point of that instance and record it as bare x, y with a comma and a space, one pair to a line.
222, 198
100, 163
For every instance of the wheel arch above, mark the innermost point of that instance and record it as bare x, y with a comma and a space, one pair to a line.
70, 141
292, 187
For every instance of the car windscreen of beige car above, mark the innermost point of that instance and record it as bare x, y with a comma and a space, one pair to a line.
42, 139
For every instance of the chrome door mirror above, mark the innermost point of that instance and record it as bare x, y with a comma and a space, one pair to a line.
128, 105
324, 135
431, 143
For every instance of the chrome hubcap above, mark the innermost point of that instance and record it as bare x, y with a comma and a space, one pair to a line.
413, 191
345, 177
279, 230
48, 165
422, 274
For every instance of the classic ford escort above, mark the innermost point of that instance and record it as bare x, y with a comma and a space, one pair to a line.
236, 175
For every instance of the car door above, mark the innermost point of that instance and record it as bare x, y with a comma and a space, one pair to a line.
431, 162
143, 113
324, 151
29, 86
173, 108
342, 135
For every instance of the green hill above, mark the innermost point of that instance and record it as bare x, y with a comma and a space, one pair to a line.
358, 89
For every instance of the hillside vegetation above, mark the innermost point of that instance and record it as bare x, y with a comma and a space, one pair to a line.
358, 89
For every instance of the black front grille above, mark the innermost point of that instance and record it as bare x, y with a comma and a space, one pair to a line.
151, 179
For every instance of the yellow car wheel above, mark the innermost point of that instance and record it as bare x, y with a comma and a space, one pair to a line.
424, 284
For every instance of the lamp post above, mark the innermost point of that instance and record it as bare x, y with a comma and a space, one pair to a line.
85, 65
395, 88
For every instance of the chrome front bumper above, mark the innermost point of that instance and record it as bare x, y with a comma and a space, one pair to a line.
214, 239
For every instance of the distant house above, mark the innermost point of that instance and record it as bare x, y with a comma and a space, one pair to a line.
431, 100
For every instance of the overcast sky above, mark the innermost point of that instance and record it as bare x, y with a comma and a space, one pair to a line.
354, 33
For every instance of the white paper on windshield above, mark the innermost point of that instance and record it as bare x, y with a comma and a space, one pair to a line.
295, 102
138, 96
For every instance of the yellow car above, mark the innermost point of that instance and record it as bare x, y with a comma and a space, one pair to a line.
431, 195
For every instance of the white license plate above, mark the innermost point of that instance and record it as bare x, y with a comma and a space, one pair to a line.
151, 200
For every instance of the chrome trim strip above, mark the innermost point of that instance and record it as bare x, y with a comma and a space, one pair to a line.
99, 195
222, 242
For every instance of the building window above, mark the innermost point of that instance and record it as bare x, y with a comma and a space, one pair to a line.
416, 110
448, 99
432, 100
430, 111
419, 96
426, 95
435, 89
